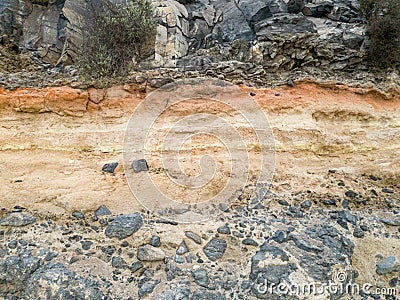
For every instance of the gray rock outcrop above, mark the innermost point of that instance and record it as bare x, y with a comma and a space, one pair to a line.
274, 34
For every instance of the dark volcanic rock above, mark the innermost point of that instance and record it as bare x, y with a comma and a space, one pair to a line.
102, 211
110, 168
182, 249
215, 249
224, 229
250, 242
140, 165
257, 10
351, 194
155, 241
201, 277
124, 226
118, 262
78, 215
147, 287
318, 10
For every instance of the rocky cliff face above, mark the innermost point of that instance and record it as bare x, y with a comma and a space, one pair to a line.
275, 34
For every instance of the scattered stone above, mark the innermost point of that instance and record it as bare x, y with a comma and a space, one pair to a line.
137, 265
155, 241
283, 202
224, 229
18, 219
140, 165
86, 245
358, 233
78, 215
305, 204
387, 190
110, 168
102, 211
351, 194
123, 226
22, 242
215, 249
150, 253
250, 242
190, 258
147, 287
330, 202
394, 223
280, 237
194, 237
168, 222
13, 244
54, 280
109, 250
388, 265
203, 294
179, 259
182, 249
374, 178
118, 262
50, 256
201, 277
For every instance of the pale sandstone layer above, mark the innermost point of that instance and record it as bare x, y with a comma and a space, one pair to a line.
54, 141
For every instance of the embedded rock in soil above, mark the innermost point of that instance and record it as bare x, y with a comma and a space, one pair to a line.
215, 249
123, 226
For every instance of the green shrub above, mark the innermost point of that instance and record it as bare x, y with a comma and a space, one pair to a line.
383, 17
116, 38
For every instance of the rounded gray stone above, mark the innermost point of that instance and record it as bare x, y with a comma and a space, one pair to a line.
123, 226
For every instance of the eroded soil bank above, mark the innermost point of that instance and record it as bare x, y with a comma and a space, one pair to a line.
54, 141
333, 210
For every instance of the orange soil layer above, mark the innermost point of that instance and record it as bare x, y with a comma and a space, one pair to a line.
54, 141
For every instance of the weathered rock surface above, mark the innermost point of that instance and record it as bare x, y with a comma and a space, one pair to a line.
275, 34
